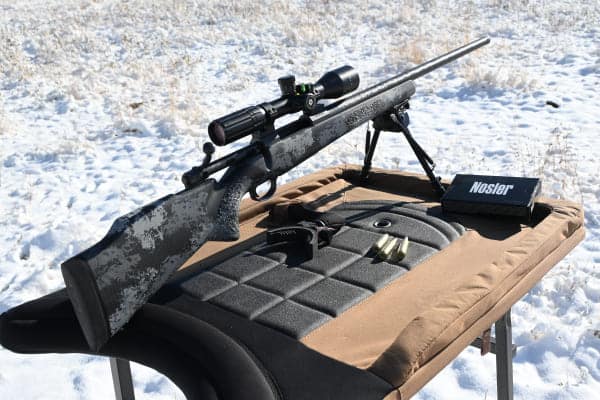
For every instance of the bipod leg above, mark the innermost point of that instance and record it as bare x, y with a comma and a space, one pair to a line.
122, 381
426, 161
370, 145
504, 357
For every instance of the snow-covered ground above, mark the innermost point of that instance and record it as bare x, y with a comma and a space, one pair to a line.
104, 104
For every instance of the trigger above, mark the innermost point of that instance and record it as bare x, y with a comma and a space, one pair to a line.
272, 188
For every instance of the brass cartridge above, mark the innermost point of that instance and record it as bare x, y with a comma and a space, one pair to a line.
402, 250
388, 249
378, 245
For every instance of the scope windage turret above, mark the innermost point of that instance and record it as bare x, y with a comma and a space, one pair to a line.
294, 98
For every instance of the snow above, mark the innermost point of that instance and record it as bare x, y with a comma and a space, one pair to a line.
104, 104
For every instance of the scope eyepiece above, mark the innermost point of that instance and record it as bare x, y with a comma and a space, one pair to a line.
235, 126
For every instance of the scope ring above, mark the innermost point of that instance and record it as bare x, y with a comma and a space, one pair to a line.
272, 188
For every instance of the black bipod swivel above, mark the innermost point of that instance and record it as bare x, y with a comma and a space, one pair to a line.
397, 121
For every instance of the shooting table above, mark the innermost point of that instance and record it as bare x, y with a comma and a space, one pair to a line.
335, 327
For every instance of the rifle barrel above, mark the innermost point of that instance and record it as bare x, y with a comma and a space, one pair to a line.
430, 65
353, 99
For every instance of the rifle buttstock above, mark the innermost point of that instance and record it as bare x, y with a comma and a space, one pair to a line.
111, 280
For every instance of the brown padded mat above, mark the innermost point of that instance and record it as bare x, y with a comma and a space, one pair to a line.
446, 301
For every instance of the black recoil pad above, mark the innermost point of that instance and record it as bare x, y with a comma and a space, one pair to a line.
338, 82
236, 125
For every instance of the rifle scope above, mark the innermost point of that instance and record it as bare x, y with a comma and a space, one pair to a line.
294, 98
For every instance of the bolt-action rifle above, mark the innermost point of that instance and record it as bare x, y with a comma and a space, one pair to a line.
111, 280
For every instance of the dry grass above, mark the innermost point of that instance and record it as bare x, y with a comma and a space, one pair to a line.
554, 161
3, 125
502, 76
150, 50
460, 23
559, 167
4, 122
154, 49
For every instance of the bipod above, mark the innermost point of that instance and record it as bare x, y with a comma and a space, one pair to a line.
397, 121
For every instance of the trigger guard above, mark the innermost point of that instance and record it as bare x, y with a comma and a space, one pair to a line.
273, 187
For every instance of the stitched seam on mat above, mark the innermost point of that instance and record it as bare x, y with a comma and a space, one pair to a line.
489, 292
387, 287
548, 256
